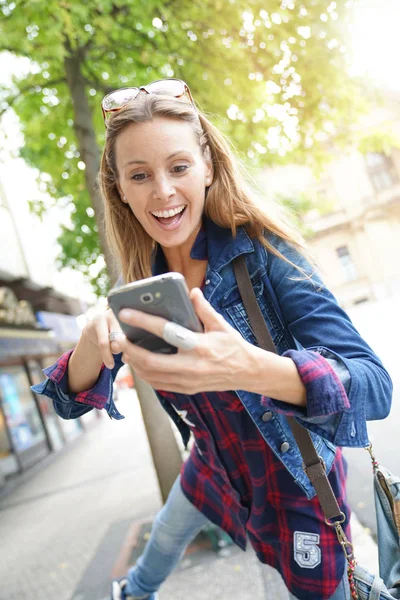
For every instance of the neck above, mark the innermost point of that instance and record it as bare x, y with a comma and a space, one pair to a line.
179, 260
194, 271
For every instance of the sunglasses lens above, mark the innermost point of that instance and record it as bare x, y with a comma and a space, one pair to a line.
119, 98
169, 87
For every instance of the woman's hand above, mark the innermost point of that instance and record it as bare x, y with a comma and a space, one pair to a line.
221, 360
97, 332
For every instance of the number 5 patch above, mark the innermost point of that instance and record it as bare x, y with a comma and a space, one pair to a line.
307, 553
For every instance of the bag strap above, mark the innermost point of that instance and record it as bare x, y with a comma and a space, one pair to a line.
313, 464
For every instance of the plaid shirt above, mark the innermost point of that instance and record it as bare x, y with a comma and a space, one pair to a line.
233, 477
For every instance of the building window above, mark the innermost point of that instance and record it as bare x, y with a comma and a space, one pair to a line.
348, 267
381, 171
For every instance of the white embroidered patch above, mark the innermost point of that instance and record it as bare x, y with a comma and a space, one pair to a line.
307, 553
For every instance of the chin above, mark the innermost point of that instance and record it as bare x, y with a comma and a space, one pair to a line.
172, 241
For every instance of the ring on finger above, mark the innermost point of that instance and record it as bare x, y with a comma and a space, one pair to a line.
179, 336
114, 335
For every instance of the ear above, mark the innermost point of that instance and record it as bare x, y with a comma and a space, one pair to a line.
121, 194
209, 176
209, 173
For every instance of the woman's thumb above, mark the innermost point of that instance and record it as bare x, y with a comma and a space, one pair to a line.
208, 316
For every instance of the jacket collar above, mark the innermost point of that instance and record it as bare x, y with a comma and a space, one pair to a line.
213, 243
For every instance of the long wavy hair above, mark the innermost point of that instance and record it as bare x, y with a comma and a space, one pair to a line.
230, 202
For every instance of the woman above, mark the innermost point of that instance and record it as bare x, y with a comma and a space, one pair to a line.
175, 201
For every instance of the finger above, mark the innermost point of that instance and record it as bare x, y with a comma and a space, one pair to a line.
116, 344
150, 323
174, 334
115, 332
103, 341
153, 363
146, 361
211, 320
180, 337
113, 323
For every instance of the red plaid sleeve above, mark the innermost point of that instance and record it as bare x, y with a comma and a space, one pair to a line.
325, 391
97, 396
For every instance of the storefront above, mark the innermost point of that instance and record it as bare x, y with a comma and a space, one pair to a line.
67, 333
26, 429
29, 427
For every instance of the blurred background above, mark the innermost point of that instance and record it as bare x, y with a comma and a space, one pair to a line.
309, 93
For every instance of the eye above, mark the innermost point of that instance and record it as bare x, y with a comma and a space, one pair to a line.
180, 168
138, 177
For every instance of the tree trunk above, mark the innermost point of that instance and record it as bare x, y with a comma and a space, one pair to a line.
165, 452
164, 449
89, 152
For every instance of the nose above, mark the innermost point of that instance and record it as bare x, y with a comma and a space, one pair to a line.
162, 189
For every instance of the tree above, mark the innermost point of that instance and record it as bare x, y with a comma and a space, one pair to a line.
297, 209
276, 75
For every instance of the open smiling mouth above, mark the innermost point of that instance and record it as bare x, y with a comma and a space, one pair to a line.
169, 217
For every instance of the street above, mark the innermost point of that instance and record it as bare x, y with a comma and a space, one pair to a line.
51, 525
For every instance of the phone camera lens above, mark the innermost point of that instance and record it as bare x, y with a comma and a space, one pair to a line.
146, 298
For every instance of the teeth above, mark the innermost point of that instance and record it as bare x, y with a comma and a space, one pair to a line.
168, 213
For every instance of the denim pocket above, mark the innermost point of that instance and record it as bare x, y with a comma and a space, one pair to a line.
240, 320
364, 583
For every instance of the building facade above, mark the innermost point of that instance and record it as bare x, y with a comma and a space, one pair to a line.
37, 323
356, 241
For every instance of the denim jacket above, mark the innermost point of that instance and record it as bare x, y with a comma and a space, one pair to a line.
304, 320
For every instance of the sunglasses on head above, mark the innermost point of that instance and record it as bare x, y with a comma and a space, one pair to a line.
114, 101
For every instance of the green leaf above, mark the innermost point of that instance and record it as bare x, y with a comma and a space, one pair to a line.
226, 51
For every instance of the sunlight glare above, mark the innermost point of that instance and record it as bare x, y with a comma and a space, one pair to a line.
376, 41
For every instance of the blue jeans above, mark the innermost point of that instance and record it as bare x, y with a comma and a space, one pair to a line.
174, 528
342, 591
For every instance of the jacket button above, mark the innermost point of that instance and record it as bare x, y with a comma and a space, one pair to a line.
207, 282
267, 416
285, 447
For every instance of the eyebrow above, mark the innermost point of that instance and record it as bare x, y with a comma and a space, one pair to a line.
143, 162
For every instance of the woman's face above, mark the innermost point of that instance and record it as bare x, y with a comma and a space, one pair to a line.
163, 176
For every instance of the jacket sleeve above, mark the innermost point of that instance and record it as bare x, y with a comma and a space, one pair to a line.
345, 381
71, 405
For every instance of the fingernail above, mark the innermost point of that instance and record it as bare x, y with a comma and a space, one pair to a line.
110, 366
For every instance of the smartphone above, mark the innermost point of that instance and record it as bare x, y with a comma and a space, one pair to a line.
164, 296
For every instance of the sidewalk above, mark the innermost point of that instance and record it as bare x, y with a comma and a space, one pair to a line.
63, 530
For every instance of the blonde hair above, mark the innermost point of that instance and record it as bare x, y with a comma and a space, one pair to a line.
229, 202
